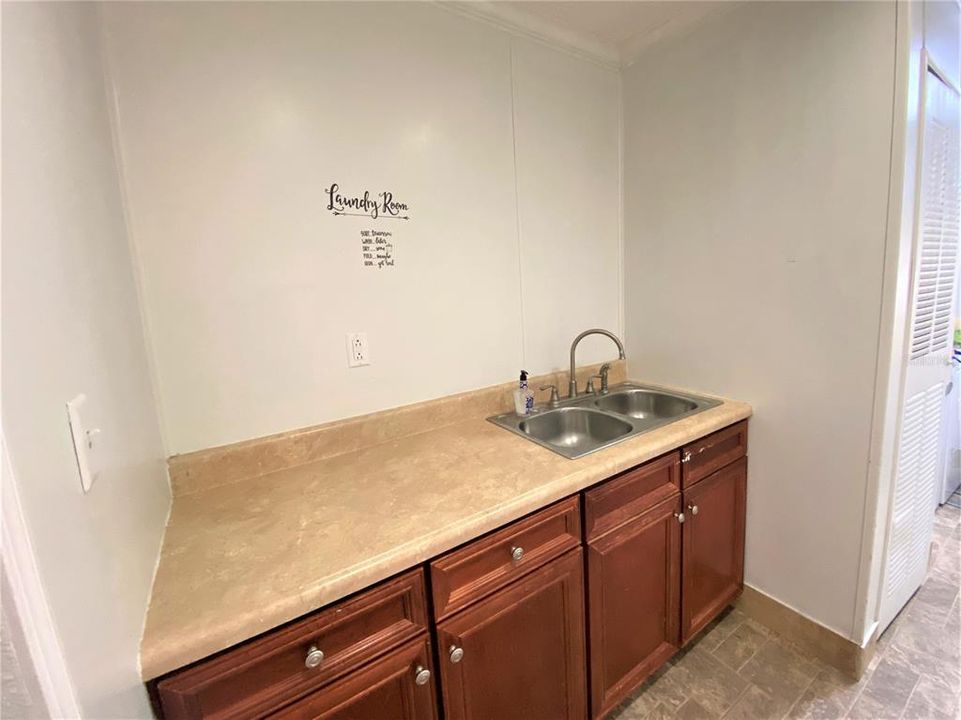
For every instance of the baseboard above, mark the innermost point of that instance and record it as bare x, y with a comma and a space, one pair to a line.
825, 644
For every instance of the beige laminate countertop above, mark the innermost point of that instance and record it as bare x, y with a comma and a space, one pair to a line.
244, 557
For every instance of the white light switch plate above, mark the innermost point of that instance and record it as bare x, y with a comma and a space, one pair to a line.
84, 443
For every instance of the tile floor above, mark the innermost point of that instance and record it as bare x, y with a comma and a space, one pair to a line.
741, 670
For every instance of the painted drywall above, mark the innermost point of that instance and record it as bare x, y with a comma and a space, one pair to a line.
757, 152
233, 121
71, 324
566, 119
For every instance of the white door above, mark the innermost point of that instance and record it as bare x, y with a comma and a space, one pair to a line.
920, 459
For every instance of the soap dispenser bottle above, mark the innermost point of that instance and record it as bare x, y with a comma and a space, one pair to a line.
523, 397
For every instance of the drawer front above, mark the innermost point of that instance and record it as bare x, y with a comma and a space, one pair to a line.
261, 675
392, 687
709, 454
629, 494
475, 570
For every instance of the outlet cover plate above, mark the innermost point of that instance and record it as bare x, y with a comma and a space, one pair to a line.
358, 352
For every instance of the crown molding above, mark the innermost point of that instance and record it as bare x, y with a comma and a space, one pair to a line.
506, 17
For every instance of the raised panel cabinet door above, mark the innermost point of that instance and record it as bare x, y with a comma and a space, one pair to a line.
519, 653
397, 686
713, 555
634, 602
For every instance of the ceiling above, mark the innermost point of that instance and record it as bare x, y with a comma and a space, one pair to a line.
613, 31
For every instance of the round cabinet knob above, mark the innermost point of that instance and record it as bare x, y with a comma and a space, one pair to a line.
315, 657
517, 553
693, 509
456, 654
680, 517
421, 675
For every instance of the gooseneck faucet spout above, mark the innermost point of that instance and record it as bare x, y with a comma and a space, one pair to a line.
572, 385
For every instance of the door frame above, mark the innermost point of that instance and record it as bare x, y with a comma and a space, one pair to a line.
912, 62
30, 600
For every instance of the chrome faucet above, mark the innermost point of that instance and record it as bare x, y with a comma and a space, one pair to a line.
572, 385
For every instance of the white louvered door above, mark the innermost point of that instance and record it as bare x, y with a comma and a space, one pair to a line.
920, 460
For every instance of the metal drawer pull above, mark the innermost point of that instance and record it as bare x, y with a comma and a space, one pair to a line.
517, 553
687, 457
421, 675
315, 657
456, 654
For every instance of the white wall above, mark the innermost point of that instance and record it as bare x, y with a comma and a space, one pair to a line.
757, 151
71, 324
234, 118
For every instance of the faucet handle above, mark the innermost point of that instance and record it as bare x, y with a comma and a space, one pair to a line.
605, 369
589, 390
555, 398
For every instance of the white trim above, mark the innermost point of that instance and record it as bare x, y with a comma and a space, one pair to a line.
869, 634
891, 326
905, 164
31, 601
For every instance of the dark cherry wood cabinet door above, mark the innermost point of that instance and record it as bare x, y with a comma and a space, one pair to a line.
634, 602
384, 689
522, 649
713, 563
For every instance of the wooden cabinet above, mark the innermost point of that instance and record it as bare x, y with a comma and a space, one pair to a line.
397, 686
709, 454
665, 555
519, 653
633, 602
661, 564
501, 557
261, 675
713, 566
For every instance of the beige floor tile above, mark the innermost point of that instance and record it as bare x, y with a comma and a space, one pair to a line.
709, 681
927, 665
829, 697
755, 704
660, 712
886, 692
932, 699
740, 645
693, 710
638, 706
780, 671
671, 689
918, 633
715, 633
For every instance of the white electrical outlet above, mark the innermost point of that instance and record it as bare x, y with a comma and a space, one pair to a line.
358, 353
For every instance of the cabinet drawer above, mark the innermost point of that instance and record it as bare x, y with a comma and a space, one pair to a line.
261, 675
475, 570
709, 454
386, 689
626, 496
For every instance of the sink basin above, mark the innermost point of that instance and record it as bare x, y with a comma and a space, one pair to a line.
645, 404
587, 423
574, 430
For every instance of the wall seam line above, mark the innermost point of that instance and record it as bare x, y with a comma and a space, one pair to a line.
517, 209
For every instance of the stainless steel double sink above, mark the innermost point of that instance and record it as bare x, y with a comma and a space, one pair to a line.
588, 423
